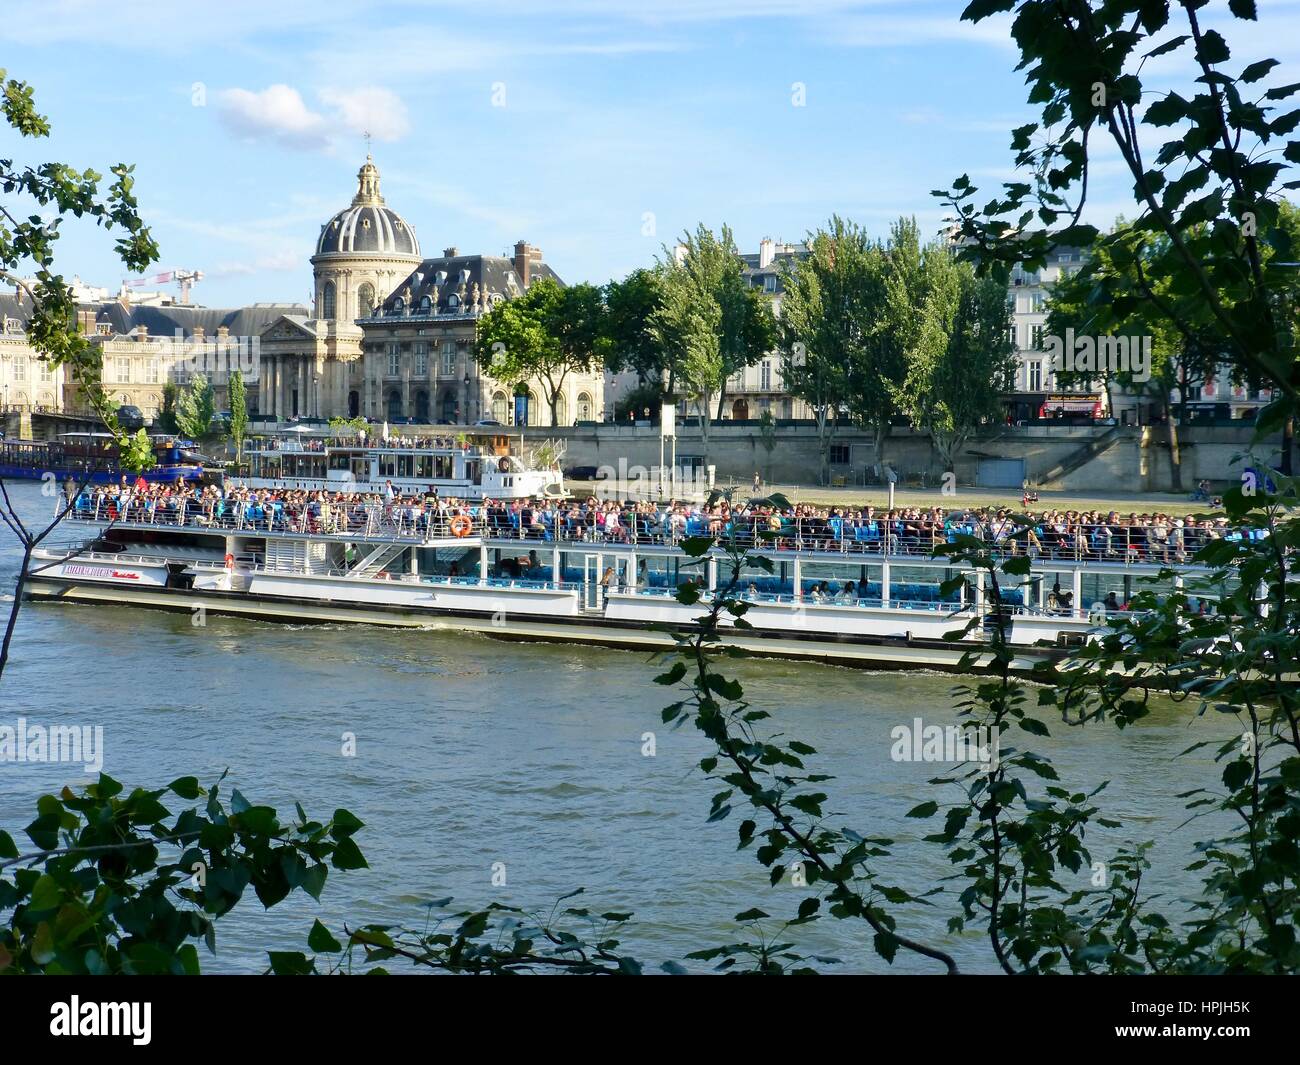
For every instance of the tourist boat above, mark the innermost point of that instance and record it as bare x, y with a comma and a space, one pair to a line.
381, 564
93, 457
471, 466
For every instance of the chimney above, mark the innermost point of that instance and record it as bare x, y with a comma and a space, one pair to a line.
450, 253
525, 256
766, 253
223, 331
85, 321
198, 332
141, 333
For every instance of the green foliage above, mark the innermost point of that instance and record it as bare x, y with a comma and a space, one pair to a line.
344, 426
1208, 167
545, 334
960, 356
238, 413
709, 322
165, 422
195, 408
28, 239
121, 884
135, 452
629, 344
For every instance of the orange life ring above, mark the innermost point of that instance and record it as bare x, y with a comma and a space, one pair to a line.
230, 561
460, 525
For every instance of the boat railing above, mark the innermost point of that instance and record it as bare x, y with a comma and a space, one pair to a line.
1115, 544
874, 539
359, 520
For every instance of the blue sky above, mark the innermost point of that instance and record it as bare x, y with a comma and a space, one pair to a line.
578, 125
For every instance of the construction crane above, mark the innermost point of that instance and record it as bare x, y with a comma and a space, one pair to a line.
183, 278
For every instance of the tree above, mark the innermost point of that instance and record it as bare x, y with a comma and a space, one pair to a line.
1208, 188
884, 303
543, 335
1100, 300
961, 357
238, 413
823, 322
166, 420
195, 408
768, 438
27, 244
119, 884
629, 344
710, 322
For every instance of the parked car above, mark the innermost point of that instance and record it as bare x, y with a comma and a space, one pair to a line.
484, 423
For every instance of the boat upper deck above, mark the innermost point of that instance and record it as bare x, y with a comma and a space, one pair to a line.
466, 525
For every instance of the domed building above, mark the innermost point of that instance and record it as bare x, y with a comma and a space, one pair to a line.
363, 252
312, 365
391, 333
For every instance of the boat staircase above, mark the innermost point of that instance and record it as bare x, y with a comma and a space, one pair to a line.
376, 561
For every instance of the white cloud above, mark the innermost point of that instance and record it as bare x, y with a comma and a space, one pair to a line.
277, 113
369, 110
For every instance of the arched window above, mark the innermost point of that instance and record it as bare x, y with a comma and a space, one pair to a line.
426, 305
327, 300
584, 407
561, 410
365, 300
422, 406
395, 405
500, 407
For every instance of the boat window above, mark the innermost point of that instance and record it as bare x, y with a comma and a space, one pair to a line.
472, 472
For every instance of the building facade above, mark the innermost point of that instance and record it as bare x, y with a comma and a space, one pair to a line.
419, 347
27, 381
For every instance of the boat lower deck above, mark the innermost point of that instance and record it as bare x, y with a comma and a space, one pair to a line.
508, 622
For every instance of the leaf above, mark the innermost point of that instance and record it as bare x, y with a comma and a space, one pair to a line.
8, 849
290, 963
186, 787
1244, 9
320, 940
926, 809
751, 915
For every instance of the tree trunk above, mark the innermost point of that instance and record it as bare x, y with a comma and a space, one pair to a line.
1175, 451
1288, 446
20, 582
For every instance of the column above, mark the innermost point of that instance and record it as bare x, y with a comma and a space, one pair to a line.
884, 584
1077, 586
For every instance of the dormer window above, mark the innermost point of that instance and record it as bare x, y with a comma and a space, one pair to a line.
399, 305
453, 300
365, 223
425, 304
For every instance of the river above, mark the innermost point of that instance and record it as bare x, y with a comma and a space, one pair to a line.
474, 755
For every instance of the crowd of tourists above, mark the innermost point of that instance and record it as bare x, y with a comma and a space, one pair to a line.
1059, 534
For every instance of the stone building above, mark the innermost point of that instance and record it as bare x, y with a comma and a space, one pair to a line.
312, 361
27, 381
145, 348
419, 344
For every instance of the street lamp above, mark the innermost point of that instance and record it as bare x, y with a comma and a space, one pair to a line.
465, 395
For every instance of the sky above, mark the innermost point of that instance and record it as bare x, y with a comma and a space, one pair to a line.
597, 130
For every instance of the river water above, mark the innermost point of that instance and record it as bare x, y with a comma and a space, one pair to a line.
475, 756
